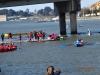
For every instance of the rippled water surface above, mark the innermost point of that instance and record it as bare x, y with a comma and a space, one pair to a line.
33, 58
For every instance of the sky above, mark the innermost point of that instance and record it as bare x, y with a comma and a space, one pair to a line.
84, 3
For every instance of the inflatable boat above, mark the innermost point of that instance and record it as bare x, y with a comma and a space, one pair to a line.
7, 48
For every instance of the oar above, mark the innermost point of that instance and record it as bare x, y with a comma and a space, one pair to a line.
62, 46
88, 43
96, 43
65, 45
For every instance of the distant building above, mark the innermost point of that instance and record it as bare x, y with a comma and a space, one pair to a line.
3, 18
24, 18
95, 6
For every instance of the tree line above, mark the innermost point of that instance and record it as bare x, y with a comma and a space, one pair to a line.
47, 11
12, 12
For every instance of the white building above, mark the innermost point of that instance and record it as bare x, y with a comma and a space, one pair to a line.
24, 18
3, 18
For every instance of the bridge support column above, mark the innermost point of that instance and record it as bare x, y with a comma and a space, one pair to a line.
62, 23
73, 23
61, 8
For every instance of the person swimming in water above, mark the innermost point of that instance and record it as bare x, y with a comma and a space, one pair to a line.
89, 32
52, 71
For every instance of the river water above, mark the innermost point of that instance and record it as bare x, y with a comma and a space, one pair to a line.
33, 58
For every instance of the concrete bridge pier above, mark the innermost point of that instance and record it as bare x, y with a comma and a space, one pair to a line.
62, 23
71, 6
60, 7
73, 23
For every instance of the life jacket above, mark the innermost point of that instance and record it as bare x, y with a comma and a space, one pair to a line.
1, 47
52, 36
8, 36
40, 35
37, 34
19, 36
31, 35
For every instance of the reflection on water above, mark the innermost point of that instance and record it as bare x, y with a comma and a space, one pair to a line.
33, 58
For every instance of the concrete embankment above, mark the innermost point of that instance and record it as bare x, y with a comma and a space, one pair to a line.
89, 18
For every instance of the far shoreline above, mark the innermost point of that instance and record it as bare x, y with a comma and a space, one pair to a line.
86, 18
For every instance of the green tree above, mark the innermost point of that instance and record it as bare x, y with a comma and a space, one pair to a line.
41, 12
84, 11
27, 10
11, 12
47, 10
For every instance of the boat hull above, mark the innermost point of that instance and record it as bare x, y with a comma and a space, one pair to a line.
78, 45
7, 50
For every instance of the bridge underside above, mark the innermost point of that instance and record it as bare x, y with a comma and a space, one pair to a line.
9, 3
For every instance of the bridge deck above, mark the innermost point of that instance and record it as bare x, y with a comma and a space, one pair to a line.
9, 3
